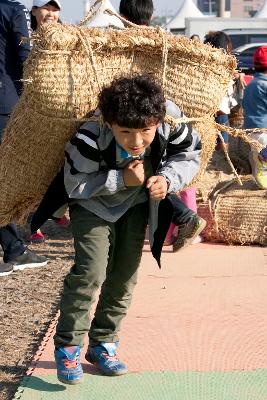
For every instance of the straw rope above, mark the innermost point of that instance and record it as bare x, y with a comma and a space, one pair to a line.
164, 56
89, 51
91, 13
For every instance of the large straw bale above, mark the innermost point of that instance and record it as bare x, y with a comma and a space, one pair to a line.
63, 75
236, 214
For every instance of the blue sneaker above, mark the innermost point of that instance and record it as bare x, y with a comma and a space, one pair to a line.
103, 356
69, 369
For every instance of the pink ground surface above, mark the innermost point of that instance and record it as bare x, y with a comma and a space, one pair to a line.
204, 311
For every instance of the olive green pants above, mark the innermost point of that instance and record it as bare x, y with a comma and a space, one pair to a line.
106, 254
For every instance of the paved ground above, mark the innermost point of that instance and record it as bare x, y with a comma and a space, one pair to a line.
197, 330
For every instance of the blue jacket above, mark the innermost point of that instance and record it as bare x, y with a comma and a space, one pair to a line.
14, 24
255, 102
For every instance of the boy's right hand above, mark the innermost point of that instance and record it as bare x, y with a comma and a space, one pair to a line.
134, 173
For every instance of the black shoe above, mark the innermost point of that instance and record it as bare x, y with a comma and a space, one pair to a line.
188, 232
6, 269
28, 260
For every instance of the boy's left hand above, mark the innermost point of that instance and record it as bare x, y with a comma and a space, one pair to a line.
157, 186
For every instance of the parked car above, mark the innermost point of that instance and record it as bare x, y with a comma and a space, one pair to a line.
244, 56
240, 37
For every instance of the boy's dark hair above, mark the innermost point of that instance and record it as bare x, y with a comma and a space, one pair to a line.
33, 19
134, 102
137, 11
219, 39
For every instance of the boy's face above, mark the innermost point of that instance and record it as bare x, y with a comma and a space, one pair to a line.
134, 141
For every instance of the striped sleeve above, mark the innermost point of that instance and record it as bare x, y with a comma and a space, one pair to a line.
82, 152
180, 140
182, 158
82, 176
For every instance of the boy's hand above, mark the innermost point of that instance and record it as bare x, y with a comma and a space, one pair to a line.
157, 186
134, 173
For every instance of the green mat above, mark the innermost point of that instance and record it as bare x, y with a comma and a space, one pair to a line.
165, 385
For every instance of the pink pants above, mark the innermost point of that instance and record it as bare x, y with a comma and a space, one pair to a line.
188, 196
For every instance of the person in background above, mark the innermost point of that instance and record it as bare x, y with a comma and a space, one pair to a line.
221, 40
195, 37
46, 12
255, 115
138, 12
14, 24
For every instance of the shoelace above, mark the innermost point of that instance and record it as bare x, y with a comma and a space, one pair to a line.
110, 358
71, 364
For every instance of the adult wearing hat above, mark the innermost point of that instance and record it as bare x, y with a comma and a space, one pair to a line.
255, 114
44, 12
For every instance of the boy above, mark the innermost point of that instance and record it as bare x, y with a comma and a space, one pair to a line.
255, 114
112, 173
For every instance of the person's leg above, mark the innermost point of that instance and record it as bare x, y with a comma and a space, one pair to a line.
224, 120
16, 253
188, 197
60, 218
116, 292
91, 243
188, 225
54, 198
11, 244
181, 216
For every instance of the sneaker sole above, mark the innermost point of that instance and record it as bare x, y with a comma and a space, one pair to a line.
6, 273
74, 382
91, 361
21, 267
190, 240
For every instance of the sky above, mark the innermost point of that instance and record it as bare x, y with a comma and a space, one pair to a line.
72, 10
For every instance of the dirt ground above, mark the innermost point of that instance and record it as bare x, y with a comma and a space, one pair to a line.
28, 301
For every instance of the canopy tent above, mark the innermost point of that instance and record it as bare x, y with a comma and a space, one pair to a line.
262, 13
187, 9
101, 19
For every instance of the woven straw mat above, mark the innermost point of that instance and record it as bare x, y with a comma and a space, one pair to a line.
63, 76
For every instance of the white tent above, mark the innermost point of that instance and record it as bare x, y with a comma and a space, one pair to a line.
262, 13
101, 19
187, 9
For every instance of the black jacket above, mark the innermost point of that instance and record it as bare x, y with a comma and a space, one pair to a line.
14, 25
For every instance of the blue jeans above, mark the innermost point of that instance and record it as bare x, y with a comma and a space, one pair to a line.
224, 120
